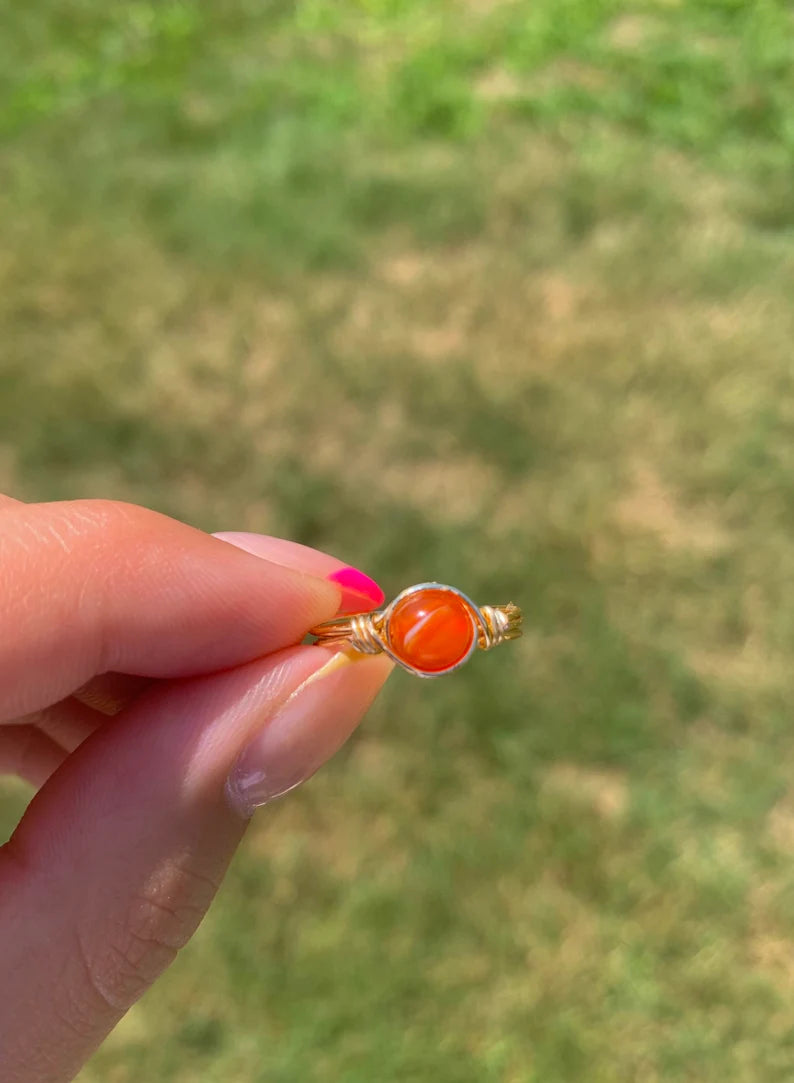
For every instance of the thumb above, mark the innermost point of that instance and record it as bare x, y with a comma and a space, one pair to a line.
119, 855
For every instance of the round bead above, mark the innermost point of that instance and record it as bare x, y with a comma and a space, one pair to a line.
431, 629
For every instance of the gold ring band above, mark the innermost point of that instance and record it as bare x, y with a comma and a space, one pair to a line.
429, 629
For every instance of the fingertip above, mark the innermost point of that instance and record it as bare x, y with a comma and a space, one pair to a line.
359, 593
307, 731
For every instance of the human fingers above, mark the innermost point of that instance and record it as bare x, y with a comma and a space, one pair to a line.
68, 723
359, 592
34, 746
29, 753
90, 587
34, 757
111, 692
132, 836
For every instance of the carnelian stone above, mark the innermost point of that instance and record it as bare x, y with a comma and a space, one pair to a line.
431, 629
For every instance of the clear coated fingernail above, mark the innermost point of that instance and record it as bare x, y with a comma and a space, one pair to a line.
309, 728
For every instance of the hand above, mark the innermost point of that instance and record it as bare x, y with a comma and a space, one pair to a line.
150, 686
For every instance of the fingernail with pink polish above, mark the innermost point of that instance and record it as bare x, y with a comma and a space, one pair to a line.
359, 592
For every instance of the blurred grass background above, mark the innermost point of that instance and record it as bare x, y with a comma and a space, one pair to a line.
498, 293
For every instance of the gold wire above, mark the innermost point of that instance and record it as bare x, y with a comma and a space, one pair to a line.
365, 631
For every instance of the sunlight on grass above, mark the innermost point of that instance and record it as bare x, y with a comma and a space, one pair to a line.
494, 293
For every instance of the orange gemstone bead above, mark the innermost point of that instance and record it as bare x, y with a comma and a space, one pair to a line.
431, 629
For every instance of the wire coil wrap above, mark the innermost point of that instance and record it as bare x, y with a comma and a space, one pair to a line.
370, 633
364, 635
498, 623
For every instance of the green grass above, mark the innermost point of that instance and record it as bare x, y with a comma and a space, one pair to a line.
495, 293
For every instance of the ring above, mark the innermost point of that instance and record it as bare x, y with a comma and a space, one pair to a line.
429, 629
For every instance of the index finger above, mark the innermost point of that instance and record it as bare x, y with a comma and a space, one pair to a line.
91, 586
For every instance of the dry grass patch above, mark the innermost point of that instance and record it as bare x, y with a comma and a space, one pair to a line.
780, 825
498, 85
632, 31
600, 790
453, 489
651, 507
769, 950
751, 666
773, 956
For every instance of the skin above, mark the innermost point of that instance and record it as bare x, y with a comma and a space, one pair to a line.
138, 658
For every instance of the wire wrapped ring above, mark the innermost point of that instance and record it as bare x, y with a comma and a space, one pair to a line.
429, 629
